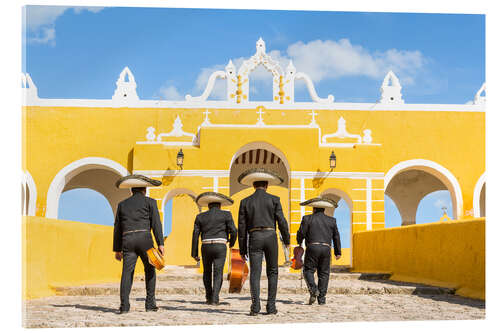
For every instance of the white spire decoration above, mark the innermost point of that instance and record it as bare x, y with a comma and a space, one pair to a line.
391, 90
125, 89
478, 98
30, 91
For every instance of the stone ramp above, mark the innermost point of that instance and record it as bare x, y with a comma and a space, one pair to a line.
91, 311
350, 284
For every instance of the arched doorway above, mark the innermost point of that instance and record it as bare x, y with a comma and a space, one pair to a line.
95, 173
343, 215
179, 212
85, 205
28, 195
259, 154
480, 197
407, 183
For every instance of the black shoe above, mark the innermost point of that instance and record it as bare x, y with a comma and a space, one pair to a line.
209, 302
252, 313
321, 301
312, 299
122, 311
215, 302
152, 309
273, 312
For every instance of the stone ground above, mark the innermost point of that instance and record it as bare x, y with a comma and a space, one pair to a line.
180, 297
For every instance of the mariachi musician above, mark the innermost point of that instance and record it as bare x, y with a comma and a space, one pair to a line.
257, 219
135, 218
216, 227
318, 230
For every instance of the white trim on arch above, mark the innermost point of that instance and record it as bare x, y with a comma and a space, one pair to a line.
476, 204
175, 192
73, 169
437, 170
30, 209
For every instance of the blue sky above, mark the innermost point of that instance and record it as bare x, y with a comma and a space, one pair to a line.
79, 53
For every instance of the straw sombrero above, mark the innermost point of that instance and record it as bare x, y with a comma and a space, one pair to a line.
155, 258
136, 181
319, 203
259, 174
210, 197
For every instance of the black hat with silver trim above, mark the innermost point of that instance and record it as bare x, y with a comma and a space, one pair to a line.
213, 197
131, 181
319, 202
259, 174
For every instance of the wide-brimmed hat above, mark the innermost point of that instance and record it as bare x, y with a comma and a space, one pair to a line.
155, 258
319, 202
259, 174
213, 197
136, 181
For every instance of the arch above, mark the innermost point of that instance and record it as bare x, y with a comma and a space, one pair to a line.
436, 170
235, 187
481, 182
29, 194
178, 191
341, 194
67, 173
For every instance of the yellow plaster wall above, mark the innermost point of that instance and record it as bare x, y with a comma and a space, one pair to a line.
448, 254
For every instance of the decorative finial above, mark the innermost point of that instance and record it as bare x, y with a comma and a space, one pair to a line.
391, 89
290, 69
261, 46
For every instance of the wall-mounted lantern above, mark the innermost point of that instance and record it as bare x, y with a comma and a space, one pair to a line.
180, 158
333, 161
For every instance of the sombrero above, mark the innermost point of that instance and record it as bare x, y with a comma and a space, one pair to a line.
319, 203
155, 258
136, 181
209, 197
259, 174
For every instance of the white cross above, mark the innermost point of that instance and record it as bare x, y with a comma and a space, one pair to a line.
206, 113
260, 112
313, 114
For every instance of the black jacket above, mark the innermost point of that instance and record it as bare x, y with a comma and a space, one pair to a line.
214, 223
261, 209
321, 228
137, 212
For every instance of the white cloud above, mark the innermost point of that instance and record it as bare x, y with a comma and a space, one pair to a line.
170, 93
41, 20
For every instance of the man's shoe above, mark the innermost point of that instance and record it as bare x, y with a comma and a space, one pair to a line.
273, 312
122, 311
153, 309
252, 313
312, 299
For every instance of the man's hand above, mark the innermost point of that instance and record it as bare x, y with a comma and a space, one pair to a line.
118, 255
337, 257
243, 256
162, 250
196, 258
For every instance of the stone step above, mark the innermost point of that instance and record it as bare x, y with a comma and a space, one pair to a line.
194, 287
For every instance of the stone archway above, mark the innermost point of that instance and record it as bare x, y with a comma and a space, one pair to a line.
408, 182
29, 195
98, 174
479, 203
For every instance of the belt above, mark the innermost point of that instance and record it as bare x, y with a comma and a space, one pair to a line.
260, 228
319, 243
214, 241
128, 232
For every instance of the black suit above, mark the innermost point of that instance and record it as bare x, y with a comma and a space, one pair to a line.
213, 224
318, 228
137, 213
262, 210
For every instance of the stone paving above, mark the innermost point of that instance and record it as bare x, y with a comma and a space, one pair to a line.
180, 296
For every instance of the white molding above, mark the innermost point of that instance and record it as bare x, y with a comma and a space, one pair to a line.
209, 87
312, 90
478, 99
29, 208
302, 197
437, 170
476, 203
163, 104
69, 171
184, 173
175, 192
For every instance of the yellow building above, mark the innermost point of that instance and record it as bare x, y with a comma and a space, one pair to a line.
386, 147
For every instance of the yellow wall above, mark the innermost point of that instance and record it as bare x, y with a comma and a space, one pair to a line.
448, 254
66, 253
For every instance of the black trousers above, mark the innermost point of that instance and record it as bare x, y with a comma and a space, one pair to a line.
214, 257
135, 245
263, 243
318, 258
